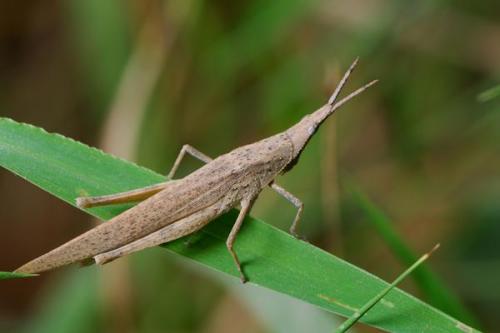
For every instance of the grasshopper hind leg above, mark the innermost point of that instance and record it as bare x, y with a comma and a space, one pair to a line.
173, 231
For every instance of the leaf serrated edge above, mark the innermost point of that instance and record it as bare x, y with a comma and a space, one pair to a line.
79, 143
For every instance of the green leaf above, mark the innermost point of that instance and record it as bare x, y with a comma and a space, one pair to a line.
489, 94
12, 275
100, 33
271, 257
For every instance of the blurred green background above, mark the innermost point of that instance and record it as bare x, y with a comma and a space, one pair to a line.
421, 150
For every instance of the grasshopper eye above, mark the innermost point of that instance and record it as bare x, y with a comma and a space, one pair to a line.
312, 128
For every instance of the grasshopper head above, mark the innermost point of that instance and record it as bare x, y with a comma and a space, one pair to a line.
301, 133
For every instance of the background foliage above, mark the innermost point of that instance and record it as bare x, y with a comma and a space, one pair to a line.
140, 78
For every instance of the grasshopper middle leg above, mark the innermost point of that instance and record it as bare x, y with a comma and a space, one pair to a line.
245, 208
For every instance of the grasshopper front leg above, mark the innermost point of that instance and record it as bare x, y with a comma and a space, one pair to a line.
296, 202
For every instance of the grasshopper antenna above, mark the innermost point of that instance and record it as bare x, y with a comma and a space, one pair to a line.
342, 82
320, 115
305, 129
350, 96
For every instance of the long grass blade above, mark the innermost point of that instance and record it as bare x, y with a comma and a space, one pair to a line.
430, 284
371, 303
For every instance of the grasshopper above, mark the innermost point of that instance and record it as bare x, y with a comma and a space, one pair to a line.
173, 209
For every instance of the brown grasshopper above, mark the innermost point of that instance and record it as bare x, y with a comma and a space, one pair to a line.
180, 207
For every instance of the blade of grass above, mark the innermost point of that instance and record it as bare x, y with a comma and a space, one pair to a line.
272, 258
489, 94
270, 21
12, 275
356, 316
429, 283
100, 32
